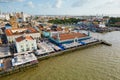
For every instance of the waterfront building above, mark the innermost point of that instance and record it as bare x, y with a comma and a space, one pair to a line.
61, 38
25, 43
102, 25
11, 34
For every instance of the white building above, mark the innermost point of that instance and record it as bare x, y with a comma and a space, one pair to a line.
14, 33
24, 16
25, 43
4, 16
102, 25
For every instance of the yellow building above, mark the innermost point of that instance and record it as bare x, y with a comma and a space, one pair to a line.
13, 22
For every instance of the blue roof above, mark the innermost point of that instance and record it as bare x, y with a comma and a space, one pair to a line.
7, 24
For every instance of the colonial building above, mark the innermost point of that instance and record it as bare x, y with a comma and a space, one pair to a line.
14, 33
60, 38
25, 43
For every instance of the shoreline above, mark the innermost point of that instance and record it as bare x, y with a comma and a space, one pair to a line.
50, 55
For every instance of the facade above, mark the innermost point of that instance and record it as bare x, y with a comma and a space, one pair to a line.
25, 43
60, 38
102, 25
14, 33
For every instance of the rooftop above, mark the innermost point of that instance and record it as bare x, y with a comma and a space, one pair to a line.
71, 35
23, 58
18, 31
21, 38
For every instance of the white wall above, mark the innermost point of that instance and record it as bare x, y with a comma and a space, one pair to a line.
26, 44
12, 38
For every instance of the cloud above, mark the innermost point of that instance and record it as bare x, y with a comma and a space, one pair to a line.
79, 3
57, 4
5, 1
30, 4
45, 6
112, 2
109, 4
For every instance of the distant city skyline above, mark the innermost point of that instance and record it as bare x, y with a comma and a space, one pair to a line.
62, 7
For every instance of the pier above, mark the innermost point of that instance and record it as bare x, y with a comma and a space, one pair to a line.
49, 55
74, 49
106, 43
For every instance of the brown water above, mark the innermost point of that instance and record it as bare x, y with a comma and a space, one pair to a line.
94, 63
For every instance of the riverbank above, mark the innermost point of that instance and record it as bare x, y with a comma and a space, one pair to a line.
49, 55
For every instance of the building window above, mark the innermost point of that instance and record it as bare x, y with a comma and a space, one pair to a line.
21, 46
27, 45
33, 48
28, 49
22, 50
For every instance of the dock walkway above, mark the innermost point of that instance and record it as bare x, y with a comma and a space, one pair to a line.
53, 54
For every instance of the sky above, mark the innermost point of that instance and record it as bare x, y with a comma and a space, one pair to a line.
61, 7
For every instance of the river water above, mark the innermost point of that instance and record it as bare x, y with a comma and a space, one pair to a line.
98, 62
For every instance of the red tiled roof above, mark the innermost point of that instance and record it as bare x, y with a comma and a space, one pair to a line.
10, 33
21, 38
67, 36
32, 29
